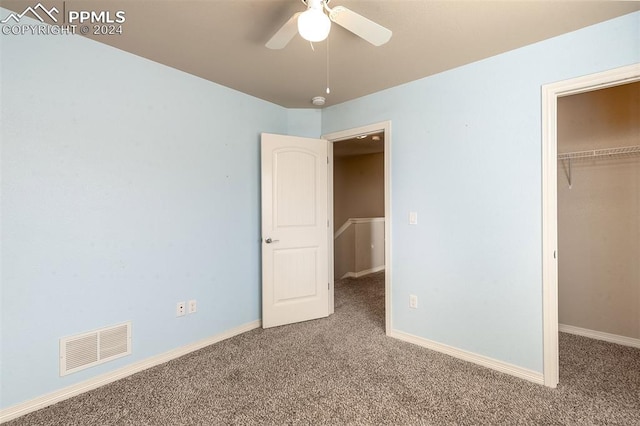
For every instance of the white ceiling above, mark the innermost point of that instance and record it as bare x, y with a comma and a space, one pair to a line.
223, 40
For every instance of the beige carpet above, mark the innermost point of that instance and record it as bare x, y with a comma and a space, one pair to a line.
344, 370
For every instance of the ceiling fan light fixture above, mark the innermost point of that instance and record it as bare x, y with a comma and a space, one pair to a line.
314, 25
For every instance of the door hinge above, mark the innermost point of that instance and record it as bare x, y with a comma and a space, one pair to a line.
328, 286
327, 160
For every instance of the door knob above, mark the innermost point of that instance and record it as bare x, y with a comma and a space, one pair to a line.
269, 241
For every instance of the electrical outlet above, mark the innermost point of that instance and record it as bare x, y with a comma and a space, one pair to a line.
413, 301
180, 309
192, 307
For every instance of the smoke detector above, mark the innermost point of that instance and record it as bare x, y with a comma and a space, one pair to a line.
318, 100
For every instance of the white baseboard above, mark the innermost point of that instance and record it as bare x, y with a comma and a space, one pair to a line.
21, 409
600, 335
503, 367
363, 273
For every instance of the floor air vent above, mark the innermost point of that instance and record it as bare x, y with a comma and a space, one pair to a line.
88, 349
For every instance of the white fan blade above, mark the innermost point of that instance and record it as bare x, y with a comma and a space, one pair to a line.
374, 33
284, 35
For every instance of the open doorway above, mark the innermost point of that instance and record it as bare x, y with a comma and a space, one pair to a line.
358, 206
360, 218
550, 95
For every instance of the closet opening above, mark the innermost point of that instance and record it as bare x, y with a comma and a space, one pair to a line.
560, 167
599, 214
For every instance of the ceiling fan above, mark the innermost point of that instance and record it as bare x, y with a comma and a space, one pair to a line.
314, 25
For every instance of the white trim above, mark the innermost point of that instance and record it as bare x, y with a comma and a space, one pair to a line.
354, 220
384, 126
550, 94
23, 408
550, 347
363, 273
494, 364
343, 228
330, 239
600, 335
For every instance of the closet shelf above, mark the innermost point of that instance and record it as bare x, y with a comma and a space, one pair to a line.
607, 152
568, 157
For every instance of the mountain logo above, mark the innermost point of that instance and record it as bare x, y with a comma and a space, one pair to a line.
34, 12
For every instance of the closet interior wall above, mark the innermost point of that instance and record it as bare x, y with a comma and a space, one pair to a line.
599, 214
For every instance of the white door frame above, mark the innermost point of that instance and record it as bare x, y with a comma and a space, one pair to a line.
550, 94
385, 127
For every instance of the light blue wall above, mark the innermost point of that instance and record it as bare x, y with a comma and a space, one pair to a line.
466, 155
122, 180
306, 122
127, 186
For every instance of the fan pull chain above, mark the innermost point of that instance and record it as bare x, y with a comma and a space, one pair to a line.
328, 90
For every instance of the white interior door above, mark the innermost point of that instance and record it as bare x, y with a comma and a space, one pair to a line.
295, 262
